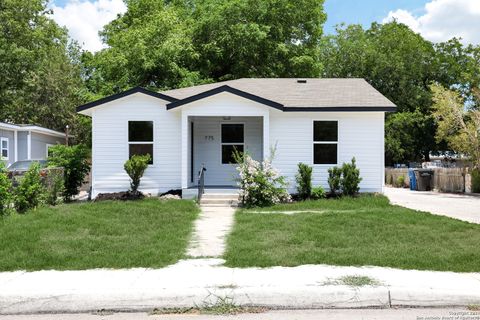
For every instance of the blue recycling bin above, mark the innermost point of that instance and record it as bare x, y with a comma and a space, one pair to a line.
413, 179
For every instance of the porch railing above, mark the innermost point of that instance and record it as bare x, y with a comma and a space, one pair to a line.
201, 182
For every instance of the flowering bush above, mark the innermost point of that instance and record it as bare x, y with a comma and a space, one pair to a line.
260, 183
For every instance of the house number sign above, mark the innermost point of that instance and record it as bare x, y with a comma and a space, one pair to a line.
209, 138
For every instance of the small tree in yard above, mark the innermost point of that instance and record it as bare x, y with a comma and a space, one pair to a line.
74, 161
135, 168
458, 126
5, 191
304, 181
29, 193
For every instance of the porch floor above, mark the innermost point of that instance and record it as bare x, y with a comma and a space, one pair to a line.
218, 189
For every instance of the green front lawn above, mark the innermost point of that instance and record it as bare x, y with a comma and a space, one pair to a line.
353, 232
110, 234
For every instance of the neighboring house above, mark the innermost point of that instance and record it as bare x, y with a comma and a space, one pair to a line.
26, 142
321, 122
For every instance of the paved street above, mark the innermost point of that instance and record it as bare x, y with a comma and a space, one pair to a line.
346, 314
458, 206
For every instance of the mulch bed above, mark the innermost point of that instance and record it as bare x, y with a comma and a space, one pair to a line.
123, 196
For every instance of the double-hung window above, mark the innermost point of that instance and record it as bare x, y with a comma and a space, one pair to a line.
4, 148
325, 142
232, 140
140, 138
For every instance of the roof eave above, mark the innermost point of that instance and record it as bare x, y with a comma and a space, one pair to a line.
341, 109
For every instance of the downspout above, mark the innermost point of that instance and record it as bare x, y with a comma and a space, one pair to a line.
29, 145
15, 145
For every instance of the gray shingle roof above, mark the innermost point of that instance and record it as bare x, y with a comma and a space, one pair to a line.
315, 93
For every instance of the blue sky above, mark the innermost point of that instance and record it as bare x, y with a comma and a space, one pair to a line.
435, 20
366, 11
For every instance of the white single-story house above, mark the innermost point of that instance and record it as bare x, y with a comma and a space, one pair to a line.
320, 122
26, 142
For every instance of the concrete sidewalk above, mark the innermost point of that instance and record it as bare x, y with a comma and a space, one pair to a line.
457, 206
196, 282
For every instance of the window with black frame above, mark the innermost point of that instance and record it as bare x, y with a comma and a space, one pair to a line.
233, 140
140, 138
325, 142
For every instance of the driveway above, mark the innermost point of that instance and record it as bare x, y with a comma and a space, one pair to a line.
457, 206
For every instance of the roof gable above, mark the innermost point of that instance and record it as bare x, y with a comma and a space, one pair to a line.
125, 94
224, 88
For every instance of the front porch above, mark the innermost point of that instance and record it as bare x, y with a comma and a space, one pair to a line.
211, 142
192, 192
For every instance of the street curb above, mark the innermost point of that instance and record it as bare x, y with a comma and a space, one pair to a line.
323, 297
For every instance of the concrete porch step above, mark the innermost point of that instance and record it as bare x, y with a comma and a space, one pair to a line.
214, 196
224, 202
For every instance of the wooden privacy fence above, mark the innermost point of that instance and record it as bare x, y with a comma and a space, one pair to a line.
392, 176
444, 179
449, 180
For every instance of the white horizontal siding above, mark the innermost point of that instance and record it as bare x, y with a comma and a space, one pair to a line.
110, 145
360, 135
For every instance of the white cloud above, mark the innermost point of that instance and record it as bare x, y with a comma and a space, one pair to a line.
84, 19
443, 20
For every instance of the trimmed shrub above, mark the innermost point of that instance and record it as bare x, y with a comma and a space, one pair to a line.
260, 184
54, 185
28, 194
476, 180
74, 161
5, 191
350, 182
304, 181
135, 168
318, 193
334, 179
400, 183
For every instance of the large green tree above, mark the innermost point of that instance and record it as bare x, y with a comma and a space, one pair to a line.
150, 45
402, 65
393, 58
40, 80
168, 44
251, 38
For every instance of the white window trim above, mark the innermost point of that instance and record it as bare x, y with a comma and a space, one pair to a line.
325, 142
2, 148
231, 143
47, 146
141, 142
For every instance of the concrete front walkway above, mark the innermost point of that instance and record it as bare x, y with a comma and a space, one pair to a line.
211, 230
457, 206
197, 282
